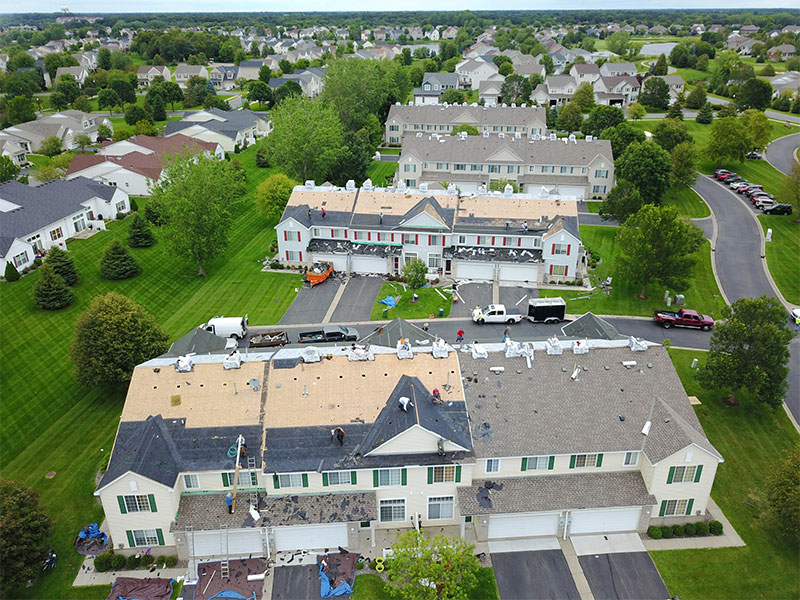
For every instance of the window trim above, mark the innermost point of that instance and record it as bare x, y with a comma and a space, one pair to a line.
289, 485
440, 501
635, 459
687, 503
389, 472
586, 464
405, 510
340, 474
529, 460
145, 537
444, 478
196, 477
137, 500
486, 466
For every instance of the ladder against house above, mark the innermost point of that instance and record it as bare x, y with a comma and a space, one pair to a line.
224, 570
251, 464
191, 572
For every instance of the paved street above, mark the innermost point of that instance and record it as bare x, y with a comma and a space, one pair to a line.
781, 152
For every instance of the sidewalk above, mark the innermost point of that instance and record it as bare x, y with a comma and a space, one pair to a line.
729, 537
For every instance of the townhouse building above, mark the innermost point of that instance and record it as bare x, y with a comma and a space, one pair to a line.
184, 72
147, 73
556, 90
472, 71
433, 85
585, 72
617, 90
404, 119
615, 69
228, 128
66, 125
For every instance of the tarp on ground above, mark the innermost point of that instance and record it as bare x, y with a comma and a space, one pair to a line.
133, 588
337, 573
229, 594
389, 301
90, 540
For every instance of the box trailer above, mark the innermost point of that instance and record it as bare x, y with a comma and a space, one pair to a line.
547, 310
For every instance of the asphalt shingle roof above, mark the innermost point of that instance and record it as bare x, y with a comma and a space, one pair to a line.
233, 122
474, 115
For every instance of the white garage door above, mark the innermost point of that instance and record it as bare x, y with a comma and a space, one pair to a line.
239, 543
514, 526
369, 264
527, 272
604, 521
474, 270
339, 261
571, 191
311, 537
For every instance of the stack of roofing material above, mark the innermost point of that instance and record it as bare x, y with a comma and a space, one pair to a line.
440, 349
580, 347
404, 349
311, 355
553, 346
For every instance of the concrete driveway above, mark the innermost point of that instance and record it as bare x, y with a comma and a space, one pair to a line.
296, 583
780, 153
474, 294
534, 575
311, 304
357, 299
623, 576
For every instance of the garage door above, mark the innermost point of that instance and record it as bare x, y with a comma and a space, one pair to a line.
514, 526
571, 191
474, 270
339, 261
311, 537
528, 272
604, 521
369, 264
239, 543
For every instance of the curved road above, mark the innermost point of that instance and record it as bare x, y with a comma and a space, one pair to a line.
781, 152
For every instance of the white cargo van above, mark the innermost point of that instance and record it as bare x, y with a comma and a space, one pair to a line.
227, 327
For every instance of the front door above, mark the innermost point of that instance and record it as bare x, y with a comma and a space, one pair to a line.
447, 266
79, 224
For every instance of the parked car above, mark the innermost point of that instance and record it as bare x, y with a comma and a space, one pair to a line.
778, 209
728, 175
331, 333
750, 188
720, 172
754, 155
753, 190
761, 195
763, 203
227, 327
683, 318
737, 184
731, 180
496, 313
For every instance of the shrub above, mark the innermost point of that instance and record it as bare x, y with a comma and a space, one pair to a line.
715, 527
666, 532
654, 532
50, 291
153, 214
147, 560
171, 561
273, 247
359, 565
161, 561
26, 270
37, 262
102, 562
701, 528
11, 272
134, 205
118, 562
689, 529
677, 530
117, 262
120, 216
132, 562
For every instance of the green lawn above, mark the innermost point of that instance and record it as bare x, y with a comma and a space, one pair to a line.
428, 304
381, 172
751, 438
594, 207
699, 295
50, 423
394, 151
369, 586
783, 253
688, 202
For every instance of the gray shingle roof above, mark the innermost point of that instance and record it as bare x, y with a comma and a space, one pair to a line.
475, 115
388, 335
557, 492
590, 326
198, 341
233, 122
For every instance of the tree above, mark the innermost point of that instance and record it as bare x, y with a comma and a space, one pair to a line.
660, 68
21, 110
729, 140
453, 96
8, 170
655, 93
63, 265
172, 93
584, 96
783, 492
466, 128
290, 88
669, 133
789, 192
104, 59
104, 132
260, 92
602, 117
158, 108
547, 61
675, 110
82, 104
697, 97
117, 262
754, 93
515, 89
588, 44
750, 351
414, 273
83, 140
195, 91
197, 197
702, 63
622, 201
706, 114
58, 100
108, 98
636, 111
307, 139
272, 194
758, 126
50, 146
139, 233
619, 42
647, 166
26, 528
264, 73
684, 158
21, 83
68, 87
54, 60
657, 246
621, 136
50, 292
11, 273
135, 113
112, 336
570, 118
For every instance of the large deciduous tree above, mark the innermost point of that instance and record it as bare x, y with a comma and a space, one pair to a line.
758, 126
8, 170
784, 492
729, 140
669, 133
657, 246
112, 336
750, 351
197, 197
754, 93
647, 166
414, 273
684, 158
622, 201
272, 194
789, 192
601, 118
584, 96
697, 97
621, 136
570, 118
655, 93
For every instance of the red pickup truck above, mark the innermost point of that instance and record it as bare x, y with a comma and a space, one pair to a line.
683, 318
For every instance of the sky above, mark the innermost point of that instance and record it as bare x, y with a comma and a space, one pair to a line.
94, 6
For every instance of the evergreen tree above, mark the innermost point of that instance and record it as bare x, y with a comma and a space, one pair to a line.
675, 110
660, 68
63, 264
117, 262
706, 114
50, 291
11, 272
697, 97
139, 233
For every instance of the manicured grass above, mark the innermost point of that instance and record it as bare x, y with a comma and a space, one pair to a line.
783, 253
593, 207
622, 301
369, 586
691, 76
118, 122
381, 172
755, 171
50, 423
428, 304
688, 202
751, 438
394, 151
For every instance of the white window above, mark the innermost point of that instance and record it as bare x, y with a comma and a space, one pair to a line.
537, 463
462, 239
121, 205
390, 477
393, 128
459, 167
191, 482
359, 235
474, 167
409, 238
316, 232
601, 173
560, 248
558, 269
444, 474
494, 168
246, 478
137, 504
393, 510
290, 480
675, 507
434, 261
631, 459
145, 537
492, 465
339, 478
599, 189
512, 169
56, 234
409, 168
292, 255
585, 460
21, 259
684, 474
537, 242
338, 233
440, 507
548, 169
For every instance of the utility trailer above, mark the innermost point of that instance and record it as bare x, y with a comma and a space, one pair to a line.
547, 310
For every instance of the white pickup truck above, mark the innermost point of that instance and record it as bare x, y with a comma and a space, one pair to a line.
496, 313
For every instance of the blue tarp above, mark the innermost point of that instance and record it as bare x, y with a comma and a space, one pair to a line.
92, 531
388, 301
229, 594
325, 590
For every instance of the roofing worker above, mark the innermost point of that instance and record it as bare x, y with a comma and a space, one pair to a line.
229, 502
339, 433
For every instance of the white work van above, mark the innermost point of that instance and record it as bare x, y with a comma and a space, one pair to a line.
227, 327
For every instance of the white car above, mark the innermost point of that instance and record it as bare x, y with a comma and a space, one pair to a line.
740, 184
765, 203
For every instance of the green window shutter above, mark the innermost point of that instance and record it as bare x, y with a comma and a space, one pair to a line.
663, 508
689, 507
131, 542
524, 463
404, 477
375, 478
305, 479
458, 473
224, 480
253, 478
122, 509
354, 477
430, 474
551, 463
276, 481
324, 480
697, 473
599, 460
671, 474
160, 537
572, 462
152, 500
